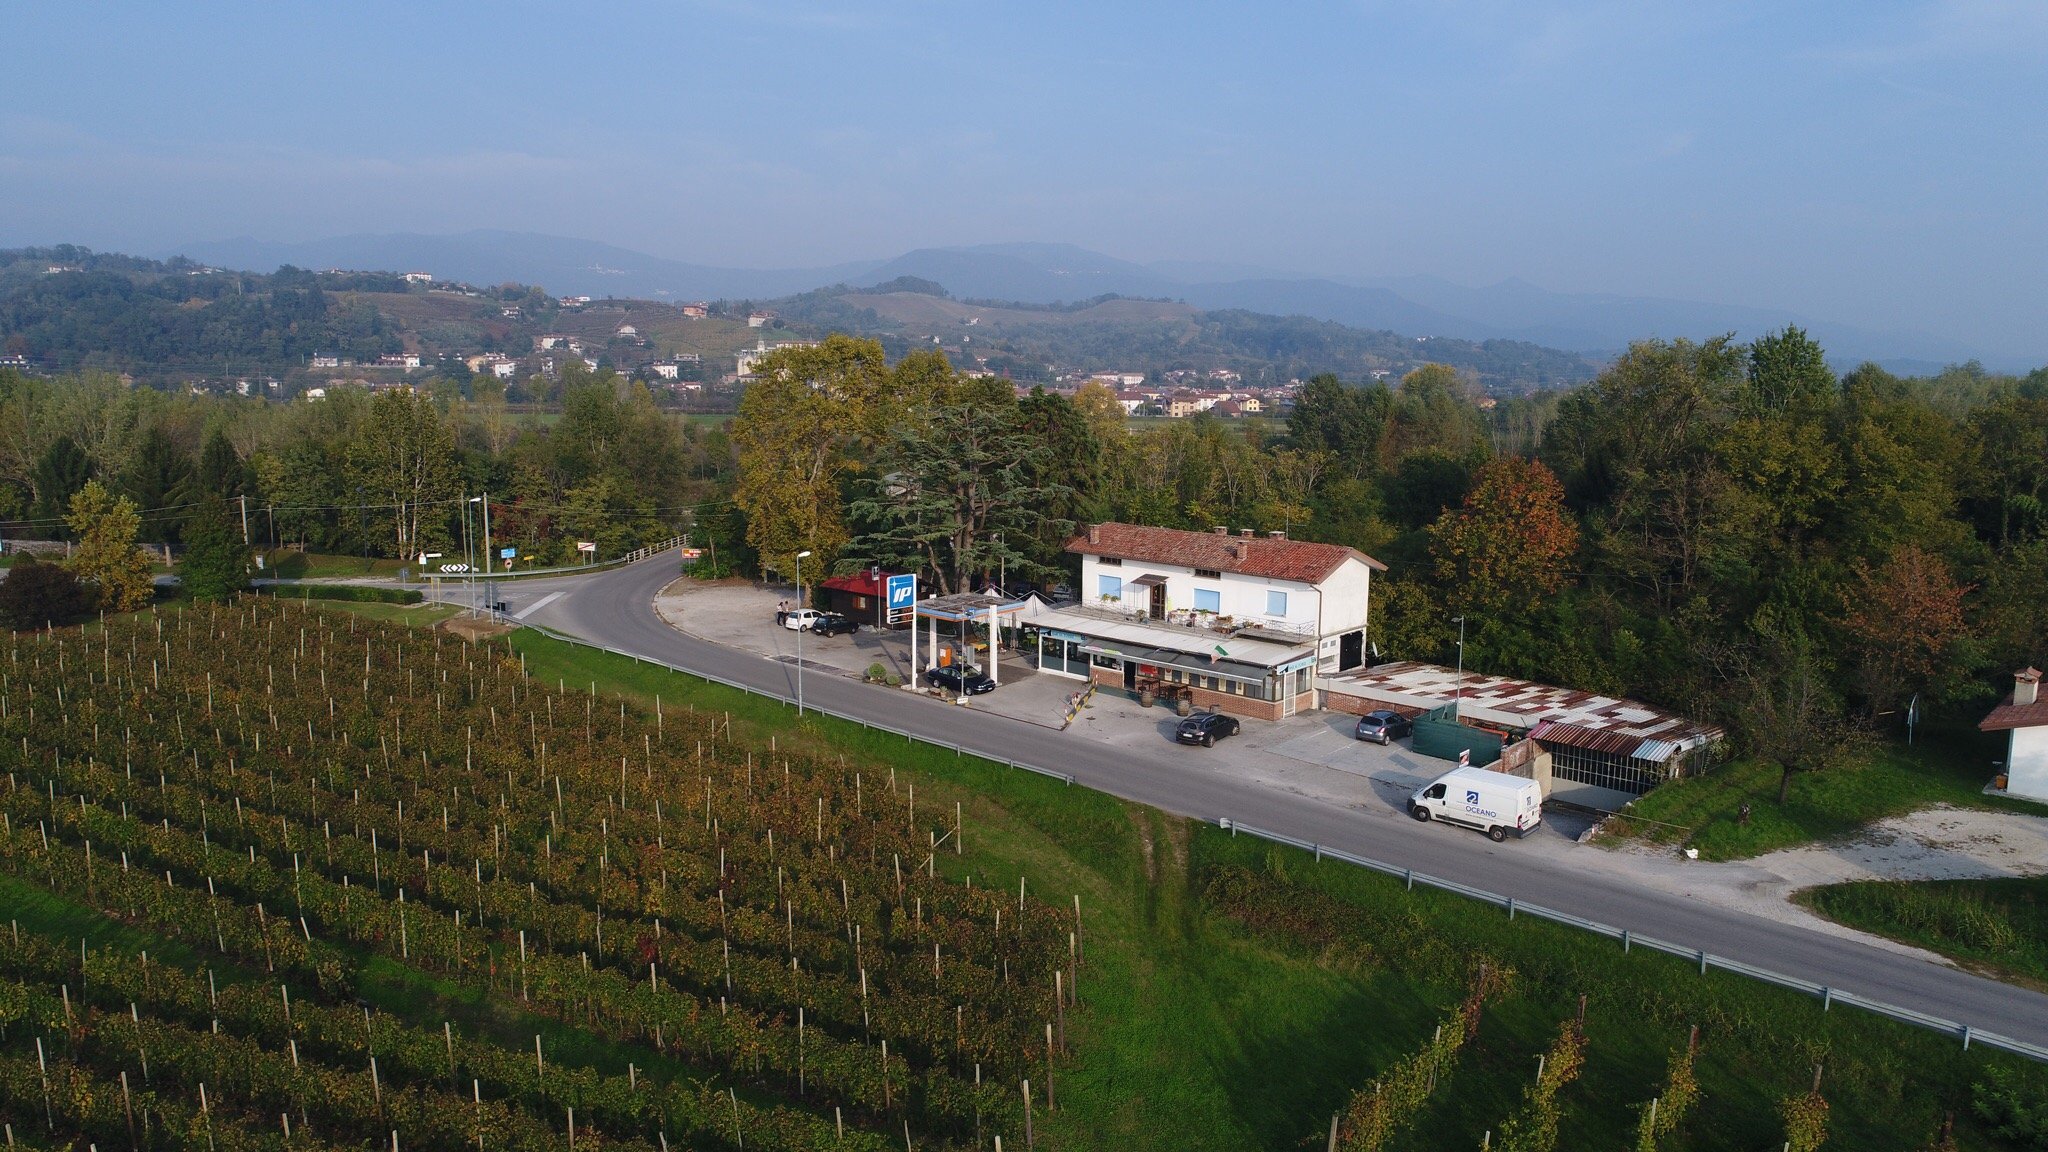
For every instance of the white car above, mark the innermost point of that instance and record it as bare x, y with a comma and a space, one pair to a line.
800, 619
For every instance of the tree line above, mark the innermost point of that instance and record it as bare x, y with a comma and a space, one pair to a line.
389, 473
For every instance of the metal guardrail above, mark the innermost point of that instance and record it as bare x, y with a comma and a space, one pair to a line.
1828, 996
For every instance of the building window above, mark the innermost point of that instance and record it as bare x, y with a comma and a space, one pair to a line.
1111, 587
1276, 602
1208, 600
1109, 561
1208, 574
1104, 660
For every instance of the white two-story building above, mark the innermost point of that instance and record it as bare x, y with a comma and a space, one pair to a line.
1241, 622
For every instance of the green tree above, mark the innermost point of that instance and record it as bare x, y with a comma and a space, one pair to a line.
159, 479
403, 457
221, 471
796, 430
60, 472
107, 557
960, 487
216, 562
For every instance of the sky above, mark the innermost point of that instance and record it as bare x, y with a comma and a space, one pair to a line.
1881, 163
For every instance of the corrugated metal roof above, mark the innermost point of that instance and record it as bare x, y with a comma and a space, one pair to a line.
1656, 751
1524, 704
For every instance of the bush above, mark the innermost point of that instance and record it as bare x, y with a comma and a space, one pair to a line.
36, 593
353, 593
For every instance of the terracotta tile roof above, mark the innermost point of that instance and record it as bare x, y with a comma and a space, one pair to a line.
1296, 560
2009, 715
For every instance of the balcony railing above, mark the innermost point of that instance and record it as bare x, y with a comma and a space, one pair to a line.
1250, 627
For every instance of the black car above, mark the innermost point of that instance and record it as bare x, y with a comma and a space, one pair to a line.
954, 681
1205, 729
1383, 727
833, 624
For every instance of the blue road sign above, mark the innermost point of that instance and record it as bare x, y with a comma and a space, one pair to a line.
902, 592
507, 553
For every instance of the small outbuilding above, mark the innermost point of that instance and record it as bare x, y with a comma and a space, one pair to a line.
2023, 717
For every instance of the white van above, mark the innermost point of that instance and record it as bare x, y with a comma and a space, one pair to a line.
1493, 802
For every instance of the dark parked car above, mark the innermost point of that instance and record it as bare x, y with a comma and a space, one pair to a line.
952, 680
1383, 727
833, 624
1205, 729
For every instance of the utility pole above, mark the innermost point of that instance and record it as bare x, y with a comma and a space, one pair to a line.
245, 519
488, 561
1458, 700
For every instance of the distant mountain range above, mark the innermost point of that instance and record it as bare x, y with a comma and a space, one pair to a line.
1595, 324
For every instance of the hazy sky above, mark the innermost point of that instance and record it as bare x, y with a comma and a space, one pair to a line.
1878, 162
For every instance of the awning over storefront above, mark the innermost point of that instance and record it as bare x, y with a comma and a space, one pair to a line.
1148, 580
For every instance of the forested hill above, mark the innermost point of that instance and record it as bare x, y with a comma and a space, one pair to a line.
66, 309
1157, 336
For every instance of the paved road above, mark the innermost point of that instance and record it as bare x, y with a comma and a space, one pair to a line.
615, 609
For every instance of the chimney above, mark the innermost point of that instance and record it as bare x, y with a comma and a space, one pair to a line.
1237, 550
1247, 533
1095, 533
1221, 530
2026, 686
1276, 534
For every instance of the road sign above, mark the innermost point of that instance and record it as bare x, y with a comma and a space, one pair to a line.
507, 553
586, 545
454, 567
692, 553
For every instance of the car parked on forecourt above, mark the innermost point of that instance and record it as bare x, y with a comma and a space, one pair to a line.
1205, 728
1383, 727
833, 624
799, 619
958, 683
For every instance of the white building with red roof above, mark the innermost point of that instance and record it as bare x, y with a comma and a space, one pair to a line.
1242, 622
2023, 717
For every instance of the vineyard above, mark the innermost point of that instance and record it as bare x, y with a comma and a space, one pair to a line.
295, 805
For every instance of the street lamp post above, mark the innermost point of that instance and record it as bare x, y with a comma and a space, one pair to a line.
1458, 700
485, 500
800, 631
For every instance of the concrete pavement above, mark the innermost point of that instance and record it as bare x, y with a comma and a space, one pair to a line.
615, 609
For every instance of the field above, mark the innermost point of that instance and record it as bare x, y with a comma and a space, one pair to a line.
277, 799
1704, 812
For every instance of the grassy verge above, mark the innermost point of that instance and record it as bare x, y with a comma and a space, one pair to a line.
286, 564
1234, 993
1997, 926
417, 615
1704, 812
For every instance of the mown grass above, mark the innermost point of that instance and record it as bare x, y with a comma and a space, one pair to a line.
1705, 811
1998, 925
1199, 1031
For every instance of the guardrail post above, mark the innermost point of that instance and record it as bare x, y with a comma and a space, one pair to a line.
1624, 941
1703, 961
1411, 879
1966, 1037
1319, 853
1827, 997
1511, 907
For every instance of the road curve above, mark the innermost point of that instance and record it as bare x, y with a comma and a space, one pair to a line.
616, 609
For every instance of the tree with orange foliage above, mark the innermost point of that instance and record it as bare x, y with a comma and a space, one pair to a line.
1904, 621
1509, 545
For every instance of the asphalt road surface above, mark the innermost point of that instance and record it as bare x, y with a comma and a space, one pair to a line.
615, 609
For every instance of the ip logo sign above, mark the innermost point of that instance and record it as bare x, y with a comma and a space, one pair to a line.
902, 592
1471, 797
